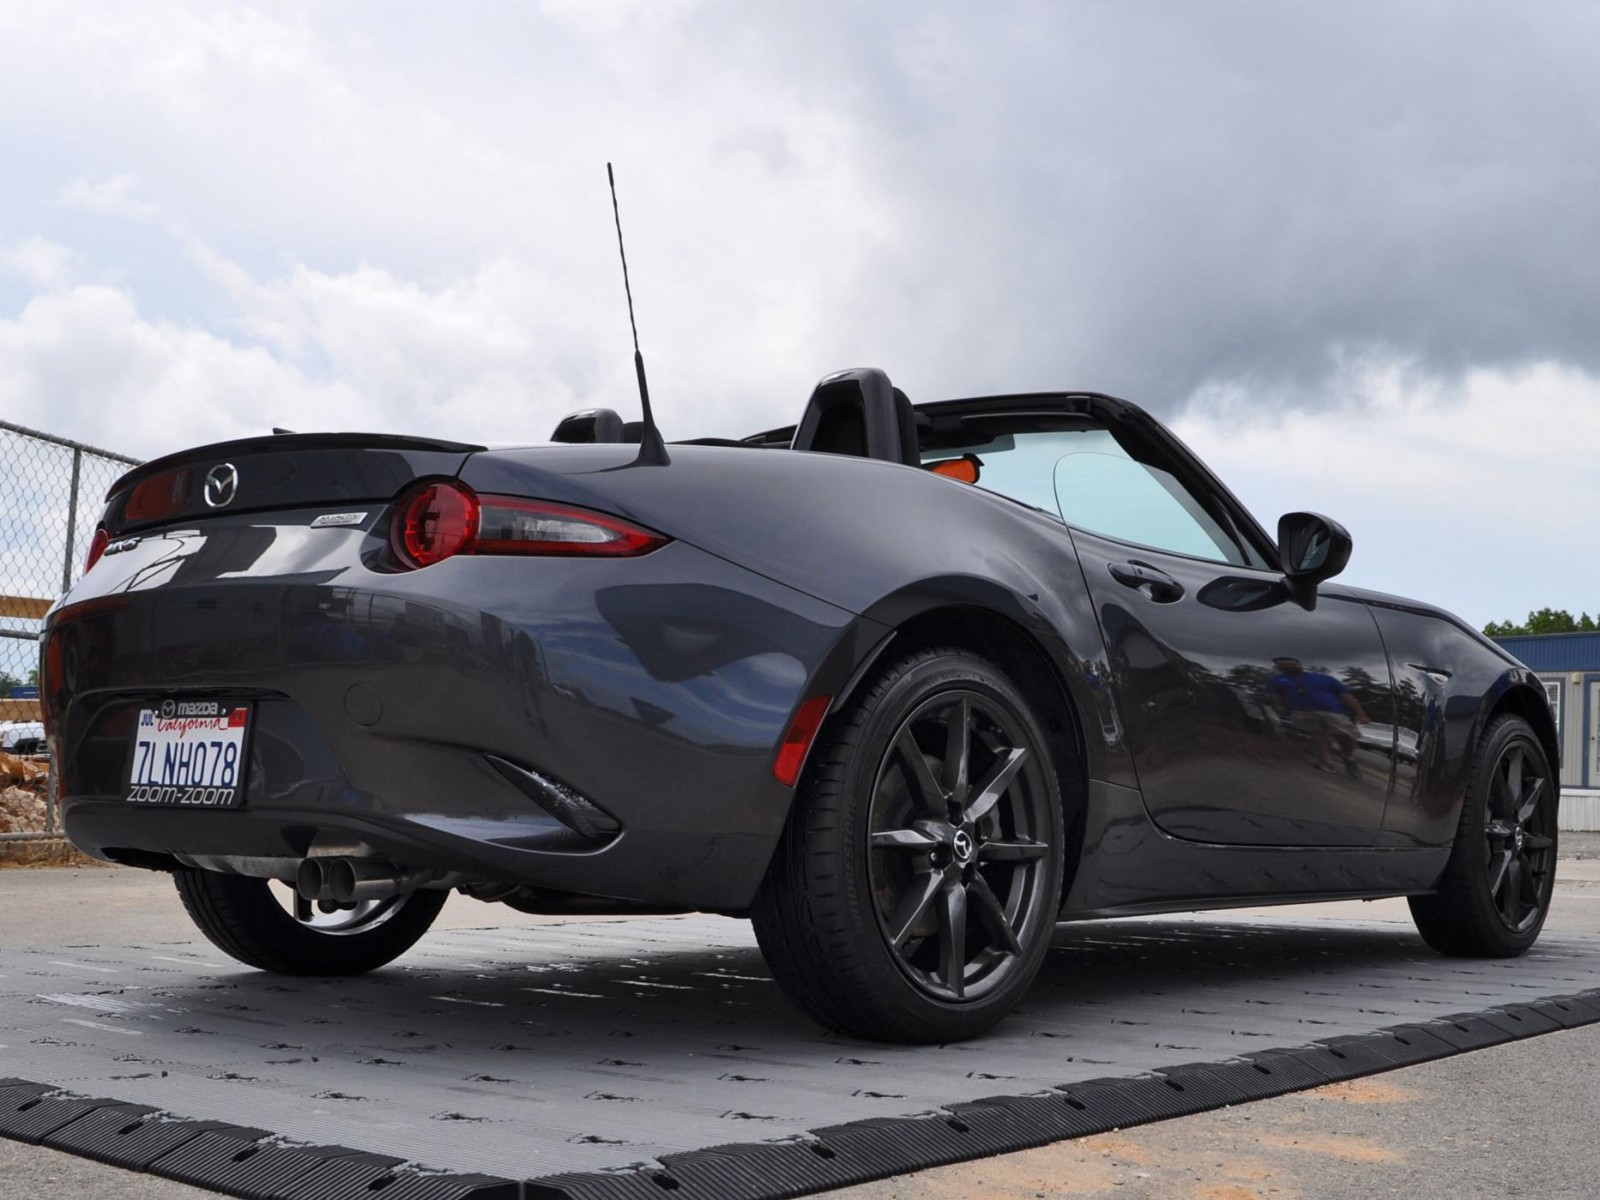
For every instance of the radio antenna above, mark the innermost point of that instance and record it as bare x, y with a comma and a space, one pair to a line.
652, 450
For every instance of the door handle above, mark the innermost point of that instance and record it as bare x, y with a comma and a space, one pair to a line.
1141, 576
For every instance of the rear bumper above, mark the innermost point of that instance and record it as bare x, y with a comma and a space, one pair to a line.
657, 688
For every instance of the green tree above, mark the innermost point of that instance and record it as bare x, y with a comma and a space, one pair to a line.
1545, 620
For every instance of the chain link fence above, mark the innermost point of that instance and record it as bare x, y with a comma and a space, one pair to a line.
51, 492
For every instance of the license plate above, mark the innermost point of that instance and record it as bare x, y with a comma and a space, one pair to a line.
189, 753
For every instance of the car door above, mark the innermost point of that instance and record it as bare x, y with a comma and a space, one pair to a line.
1251, 720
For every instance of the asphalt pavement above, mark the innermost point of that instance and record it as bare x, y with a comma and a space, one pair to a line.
1515, 1120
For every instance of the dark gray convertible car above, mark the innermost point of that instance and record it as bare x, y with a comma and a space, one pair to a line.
906, 684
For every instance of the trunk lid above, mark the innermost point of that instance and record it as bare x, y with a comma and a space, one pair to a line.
285, 471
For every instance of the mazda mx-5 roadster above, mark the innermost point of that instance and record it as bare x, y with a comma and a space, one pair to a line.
905, 684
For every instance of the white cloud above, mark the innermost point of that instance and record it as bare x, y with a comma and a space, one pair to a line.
83, 362
42, 264
112, 196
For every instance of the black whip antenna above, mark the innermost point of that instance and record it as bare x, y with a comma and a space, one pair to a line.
652, 449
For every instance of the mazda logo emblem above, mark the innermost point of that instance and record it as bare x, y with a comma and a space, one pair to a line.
962, 845
168, 709
222, 485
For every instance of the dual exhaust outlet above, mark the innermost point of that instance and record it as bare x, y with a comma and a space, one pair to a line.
352, 880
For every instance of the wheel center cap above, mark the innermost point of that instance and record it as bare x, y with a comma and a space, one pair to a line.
1519, 838
962, 846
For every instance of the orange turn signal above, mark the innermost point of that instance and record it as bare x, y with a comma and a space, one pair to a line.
965, 469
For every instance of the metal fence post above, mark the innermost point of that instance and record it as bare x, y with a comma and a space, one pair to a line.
72, 517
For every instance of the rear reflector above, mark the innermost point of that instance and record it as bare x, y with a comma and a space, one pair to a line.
797, 742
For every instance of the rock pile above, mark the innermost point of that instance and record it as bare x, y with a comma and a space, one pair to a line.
22, 794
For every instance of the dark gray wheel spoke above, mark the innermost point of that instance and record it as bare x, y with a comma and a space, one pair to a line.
1500, 798
1536, 842
957, 748
1531, 804
1011, 851
1497, 871
914, 906
1498, 829
904, 839
953, 937
987, 905
995, 784
1511, 899
924, 787
1514, 769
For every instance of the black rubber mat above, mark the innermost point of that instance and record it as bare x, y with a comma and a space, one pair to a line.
655, 1057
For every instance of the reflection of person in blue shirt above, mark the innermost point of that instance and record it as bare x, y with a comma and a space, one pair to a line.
1321, 706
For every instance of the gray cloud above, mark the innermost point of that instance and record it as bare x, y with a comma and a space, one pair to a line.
403, 209
1159, 198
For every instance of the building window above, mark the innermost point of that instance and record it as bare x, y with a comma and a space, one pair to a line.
1552, 693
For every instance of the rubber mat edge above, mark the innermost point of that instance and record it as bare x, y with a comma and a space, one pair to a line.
826, 1158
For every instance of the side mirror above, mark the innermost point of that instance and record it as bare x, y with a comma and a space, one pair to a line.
1311, 548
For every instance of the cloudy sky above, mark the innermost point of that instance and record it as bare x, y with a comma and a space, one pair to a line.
1348, 249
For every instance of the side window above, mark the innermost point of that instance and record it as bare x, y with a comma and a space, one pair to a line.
1099, 488
1075, 469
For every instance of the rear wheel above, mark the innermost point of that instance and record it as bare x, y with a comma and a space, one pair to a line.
1492, 900
914, 892
264, 924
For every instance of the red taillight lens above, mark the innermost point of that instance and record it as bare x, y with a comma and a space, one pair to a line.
437, 520
797, 742
158, 497
443, 518
509, 525
97, 547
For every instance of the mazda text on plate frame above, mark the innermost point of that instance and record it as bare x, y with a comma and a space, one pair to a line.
904, 684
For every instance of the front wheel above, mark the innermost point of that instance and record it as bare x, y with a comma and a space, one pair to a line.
913, 894
1495, 892
244, 917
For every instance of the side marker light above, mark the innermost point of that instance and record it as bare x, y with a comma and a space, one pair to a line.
797, 742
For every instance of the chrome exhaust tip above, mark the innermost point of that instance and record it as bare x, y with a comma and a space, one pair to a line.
311, 881
352, 880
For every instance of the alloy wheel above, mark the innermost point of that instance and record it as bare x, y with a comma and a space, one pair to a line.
1519, 837
958, 863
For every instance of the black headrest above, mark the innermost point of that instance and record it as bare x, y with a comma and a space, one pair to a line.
859, 412
590, 425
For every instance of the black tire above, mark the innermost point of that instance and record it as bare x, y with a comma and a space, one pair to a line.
242, 918
1494, 895
859, 913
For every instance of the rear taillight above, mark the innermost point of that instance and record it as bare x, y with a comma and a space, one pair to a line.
508, 525
97, 547
443, 518
437, 520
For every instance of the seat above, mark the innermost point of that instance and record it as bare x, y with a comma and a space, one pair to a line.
859, 412
590, 425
